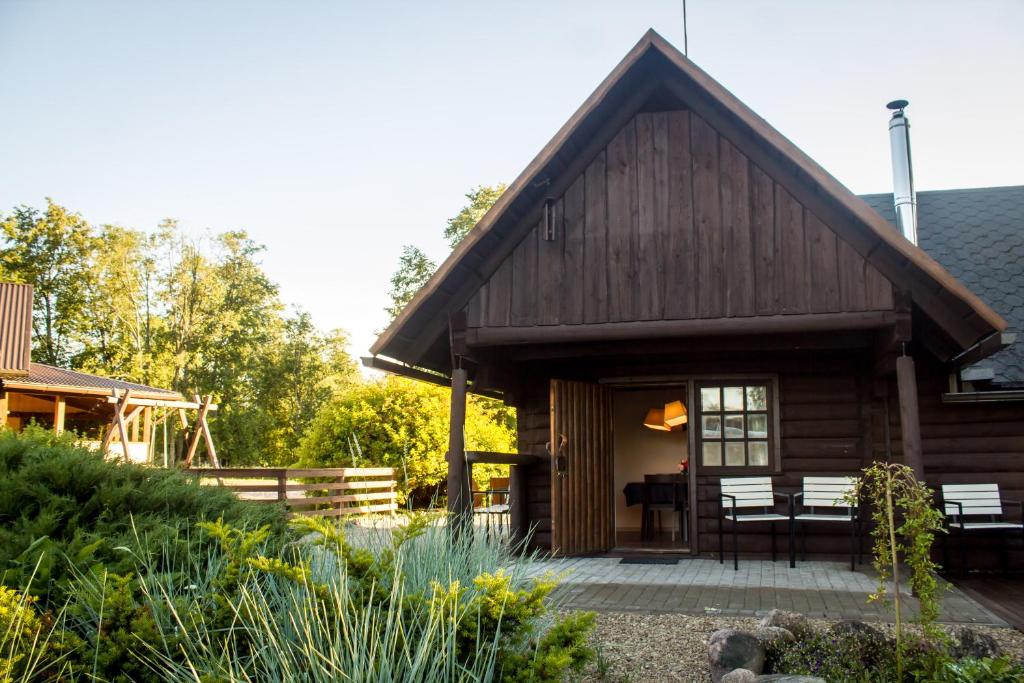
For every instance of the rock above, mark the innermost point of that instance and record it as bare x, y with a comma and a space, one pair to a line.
773, 635
857, 629
967, 642
729, 650
790, 678
739, 676
796, 624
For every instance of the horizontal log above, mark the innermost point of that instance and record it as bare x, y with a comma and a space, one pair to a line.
162, 403
334, 500
338, 512
491, 458
710, 327
344, 485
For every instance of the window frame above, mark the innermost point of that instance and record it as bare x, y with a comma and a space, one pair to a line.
774, 465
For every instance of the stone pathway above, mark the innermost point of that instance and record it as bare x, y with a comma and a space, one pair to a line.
703, 586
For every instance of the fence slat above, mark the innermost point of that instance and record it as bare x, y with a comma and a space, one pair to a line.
369, 485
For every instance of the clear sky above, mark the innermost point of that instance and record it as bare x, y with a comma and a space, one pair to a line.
335, 132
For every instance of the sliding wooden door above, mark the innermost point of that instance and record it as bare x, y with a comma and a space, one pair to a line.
582, 514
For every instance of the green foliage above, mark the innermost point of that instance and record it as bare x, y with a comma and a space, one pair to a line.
63, 507
835, 657
51, 250
481, 199
906, 523
403, 424
985, 670
414, 269
164, 309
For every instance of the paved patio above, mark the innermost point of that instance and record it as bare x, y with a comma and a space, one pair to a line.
703, 586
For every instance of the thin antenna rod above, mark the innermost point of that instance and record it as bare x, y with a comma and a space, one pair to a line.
686, 46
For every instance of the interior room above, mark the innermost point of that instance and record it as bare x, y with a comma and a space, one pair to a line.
651, 466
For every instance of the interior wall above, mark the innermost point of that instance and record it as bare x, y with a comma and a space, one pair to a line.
640, 450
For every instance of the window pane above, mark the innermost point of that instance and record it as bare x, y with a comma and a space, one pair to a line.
733, 398
712, 426
757, 426
757, 397
711, 398
734, 426
712, 454
734, 454
758, 453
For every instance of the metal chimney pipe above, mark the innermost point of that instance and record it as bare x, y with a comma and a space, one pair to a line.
903, 195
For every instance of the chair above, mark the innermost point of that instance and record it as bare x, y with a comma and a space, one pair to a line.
739, 493
823, 499
493, 502
971, 508
664, 493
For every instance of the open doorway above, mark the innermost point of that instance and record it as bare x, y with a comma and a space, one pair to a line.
651, 469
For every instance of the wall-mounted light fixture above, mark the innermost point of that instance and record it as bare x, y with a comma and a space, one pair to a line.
547, 228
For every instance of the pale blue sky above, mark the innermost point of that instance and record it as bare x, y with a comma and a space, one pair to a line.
335, 132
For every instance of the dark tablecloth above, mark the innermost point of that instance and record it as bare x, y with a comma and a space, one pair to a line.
660, 493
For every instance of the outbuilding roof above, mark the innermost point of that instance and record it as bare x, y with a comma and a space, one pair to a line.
47, 378
15, 329
978, 236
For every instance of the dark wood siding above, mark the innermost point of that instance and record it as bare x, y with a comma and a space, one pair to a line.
672, 221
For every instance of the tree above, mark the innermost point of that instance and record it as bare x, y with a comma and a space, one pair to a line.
414, 269
51, 250
402, 423
481, 199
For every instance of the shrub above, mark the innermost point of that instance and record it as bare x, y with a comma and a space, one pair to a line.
329, 608
403, 424
64, 507
832, 656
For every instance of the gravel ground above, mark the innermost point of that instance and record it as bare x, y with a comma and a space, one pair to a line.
639, 647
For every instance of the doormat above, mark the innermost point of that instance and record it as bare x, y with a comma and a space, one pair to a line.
649, 560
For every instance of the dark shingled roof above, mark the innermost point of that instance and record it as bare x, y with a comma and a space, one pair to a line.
41, 375
978, 236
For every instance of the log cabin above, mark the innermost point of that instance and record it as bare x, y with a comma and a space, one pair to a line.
668, 246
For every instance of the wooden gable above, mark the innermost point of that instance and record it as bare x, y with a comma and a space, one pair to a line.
734, 226
672, 221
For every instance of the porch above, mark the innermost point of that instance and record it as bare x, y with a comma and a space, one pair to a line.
698, 586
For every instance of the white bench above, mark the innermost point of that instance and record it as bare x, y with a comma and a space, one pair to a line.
824, 499
749, 499
976, 508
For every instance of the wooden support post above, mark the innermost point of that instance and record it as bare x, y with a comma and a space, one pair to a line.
460, 501
117, 422
910, 423
59, 411
201, 431
282, 485
4, 409
147, 433
517, 519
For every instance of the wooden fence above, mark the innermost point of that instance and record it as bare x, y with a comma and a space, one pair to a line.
327, 492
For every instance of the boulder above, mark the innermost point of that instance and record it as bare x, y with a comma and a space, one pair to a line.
796, 624
773, 635
969, 642
729, 650
790, 678
739, 676
857, 629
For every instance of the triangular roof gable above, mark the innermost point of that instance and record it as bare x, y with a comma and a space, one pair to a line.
419, 334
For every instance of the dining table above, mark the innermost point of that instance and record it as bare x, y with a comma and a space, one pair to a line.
658, 493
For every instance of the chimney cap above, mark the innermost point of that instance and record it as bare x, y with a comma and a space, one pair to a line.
897, 105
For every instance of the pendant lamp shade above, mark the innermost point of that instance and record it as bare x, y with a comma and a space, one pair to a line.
656, 420
675, 414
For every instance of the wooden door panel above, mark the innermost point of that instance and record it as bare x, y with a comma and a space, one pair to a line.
581, 468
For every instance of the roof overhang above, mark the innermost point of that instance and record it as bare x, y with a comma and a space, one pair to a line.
419, 335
